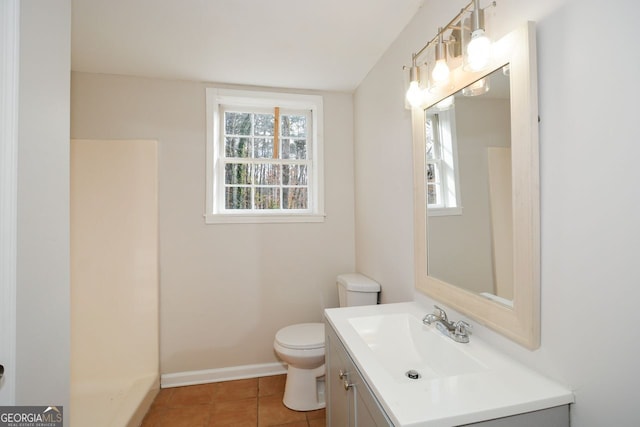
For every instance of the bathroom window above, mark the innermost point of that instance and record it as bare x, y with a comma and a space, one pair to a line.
264, 157
443, 196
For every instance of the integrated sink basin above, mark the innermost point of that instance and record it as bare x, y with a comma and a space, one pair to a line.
458, 383
401, 344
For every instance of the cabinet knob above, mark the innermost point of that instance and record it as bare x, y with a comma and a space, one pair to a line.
342, 374
346, 384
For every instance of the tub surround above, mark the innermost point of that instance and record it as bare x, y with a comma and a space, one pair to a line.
114, 281
475, 384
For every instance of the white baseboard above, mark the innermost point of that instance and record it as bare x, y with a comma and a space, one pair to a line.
179, 379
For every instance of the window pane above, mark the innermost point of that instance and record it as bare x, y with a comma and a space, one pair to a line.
432, 194
430, 151
432, 136
237, 198
237, 123
428, 129
264, 148
294, 175
267, 198
237, 147
294, 198
237, 173
264, 124
432, 173
294, 125
267, 174
294, 149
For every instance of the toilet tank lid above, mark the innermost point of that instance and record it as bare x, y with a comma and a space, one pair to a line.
358, 283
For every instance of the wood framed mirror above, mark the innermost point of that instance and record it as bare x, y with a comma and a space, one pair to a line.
510, 304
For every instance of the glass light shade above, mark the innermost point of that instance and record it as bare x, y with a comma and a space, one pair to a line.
477, 88
478, 51
414, 94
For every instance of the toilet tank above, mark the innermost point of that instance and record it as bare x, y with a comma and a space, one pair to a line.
357, 289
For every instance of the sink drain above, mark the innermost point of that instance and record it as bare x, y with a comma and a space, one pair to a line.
413, 374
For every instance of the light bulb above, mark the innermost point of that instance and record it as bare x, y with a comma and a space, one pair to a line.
440, 73
478, 50
414, 94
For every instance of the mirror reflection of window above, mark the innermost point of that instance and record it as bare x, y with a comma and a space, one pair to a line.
443, 195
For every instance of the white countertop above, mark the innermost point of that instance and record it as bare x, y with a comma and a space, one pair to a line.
488, 384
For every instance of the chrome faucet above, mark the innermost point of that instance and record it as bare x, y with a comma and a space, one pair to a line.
458, 331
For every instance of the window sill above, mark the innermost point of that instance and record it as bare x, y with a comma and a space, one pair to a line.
261, 219
444, 211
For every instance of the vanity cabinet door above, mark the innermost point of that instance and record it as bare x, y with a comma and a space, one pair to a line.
340, 405
367, 409
350, 402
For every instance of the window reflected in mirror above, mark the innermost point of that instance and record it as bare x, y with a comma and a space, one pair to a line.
468, 185
441, 162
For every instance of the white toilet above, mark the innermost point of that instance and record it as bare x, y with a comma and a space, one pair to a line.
301, 346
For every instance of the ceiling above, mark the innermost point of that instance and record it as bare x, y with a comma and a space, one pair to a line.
321, 44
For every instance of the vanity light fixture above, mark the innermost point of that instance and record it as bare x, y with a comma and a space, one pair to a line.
478, 51
476, 54
440, 73
415, 92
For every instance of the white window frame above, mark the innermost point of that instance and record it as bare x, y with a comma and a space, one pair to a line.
450, 203
217, 98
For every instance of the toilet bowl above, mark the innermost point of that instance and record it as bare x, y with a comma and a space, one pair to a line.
301, 346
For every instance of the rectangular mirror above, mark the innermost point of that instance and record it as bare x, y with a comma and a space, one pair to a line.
468, 162
476, 204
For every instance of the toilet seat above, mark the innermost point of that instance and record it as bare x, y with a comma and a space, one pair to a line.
303, 336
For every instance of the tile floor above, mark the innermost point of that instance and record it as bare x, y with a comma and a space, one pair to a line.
255, 402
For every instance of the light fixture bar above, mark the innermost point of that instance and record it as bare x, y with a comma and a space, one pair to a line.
452, 22
445, 28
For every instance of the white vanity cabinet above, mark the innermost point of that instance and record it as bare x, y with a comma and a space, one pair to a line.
369, 349
350, 402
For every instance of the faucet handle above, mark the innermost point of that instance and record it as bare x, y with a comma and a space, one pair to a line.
462, 328
461, 331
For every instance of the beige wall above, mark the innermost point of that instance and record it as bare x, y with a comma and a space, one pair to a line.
114, 260
226, 288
